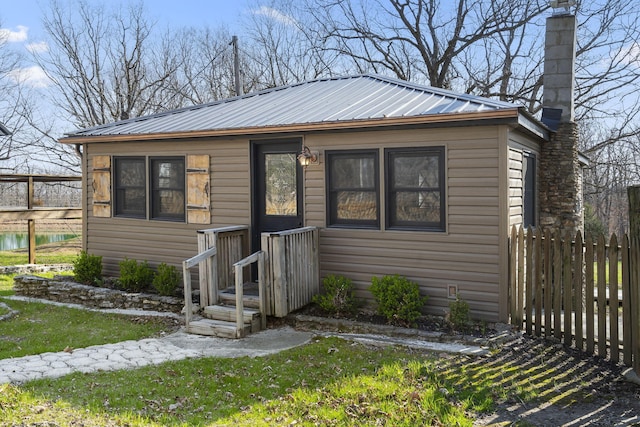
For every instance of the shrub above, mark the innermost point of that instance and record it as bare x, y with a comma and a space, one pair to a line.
135, 276
398, 298
338, 297
459, 314
166, 280
87, 268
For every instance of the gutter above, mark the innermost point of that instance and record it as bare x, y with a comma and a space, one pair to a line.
513, 114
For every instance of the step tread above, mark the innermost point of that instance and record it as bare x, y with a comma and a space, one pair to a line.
251, 301
218, 328
228, 313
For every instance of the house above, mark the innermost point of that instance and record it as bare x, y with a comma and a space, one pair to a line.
399, 179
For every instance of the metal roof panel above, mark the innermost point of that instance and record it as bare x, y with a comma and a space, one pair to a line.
336, 99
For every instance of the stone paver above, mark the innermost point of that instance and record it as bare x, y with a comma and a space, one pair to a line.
179, 346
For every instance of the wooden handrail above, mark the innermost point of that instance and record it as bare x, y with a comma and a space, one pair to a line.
248, 260
228, 229
200, 257
292, 231
186, 276
238, 266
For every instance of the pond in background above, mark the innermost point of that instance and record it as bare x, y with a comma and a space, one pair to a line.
10, 241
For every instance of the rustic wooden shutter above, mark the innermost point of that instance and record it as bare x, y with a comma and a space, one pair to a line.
198, 199
101, 185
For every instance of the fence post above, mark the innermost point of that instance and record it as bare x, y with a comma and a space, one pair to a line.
633, 194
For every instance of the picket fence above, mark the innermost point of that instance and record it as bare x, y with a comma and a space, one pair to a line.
581, 291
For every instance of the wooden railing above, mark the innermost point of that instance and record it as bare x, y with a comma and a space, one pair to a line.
257, 257
208, 258
233, 245
292, 272
31, 213
583, 293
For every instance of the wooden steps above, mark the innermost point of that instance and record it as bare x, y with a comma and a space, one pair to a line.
220, 320
217, 328
228, 313
228, 298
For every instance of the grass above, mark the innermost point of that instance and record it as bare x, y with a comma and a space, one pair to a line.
52, 253
328, 382
40, 328
607, 273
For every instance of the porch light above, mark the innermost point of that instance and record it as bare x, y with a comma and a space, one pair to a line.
308, 157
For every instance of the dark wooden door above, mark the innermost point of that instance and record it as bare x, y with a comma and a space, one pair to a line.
277, 187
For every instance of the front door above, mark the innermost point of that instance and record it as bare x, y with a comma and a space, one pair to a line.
277, 187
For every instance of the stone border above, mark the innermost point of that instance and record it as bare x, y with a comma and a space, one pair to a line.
34, 268
503, 334
60, 289
12, 313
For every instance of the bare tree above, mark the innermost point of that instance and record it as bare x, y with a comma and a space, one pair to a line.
286, 45
9, 95
419, 40
105, 65
207, 70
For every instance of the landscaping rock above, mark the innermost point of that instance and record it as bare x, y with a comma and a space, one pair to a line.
67, 291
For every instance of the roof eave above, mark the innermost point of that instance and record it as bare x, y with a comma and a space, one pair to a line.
305, 127
530, 124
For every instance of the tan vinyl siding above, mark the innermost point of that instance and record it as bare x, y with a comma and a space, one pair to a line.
518, 143
166, 241
466, 254
482, 196
516, 187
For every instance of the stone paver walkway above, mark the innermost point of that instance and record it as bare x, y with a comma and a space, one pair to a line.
180, 345
151, 351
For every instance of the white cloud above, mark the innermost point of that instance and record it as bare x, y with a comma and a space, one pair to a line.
37, 47
31, 76
275, 14
14, 36
632, 53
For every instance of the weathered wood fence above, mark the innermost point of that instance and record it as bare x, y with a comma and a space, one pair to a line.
291, 265
292, 270
232, 244
584, 293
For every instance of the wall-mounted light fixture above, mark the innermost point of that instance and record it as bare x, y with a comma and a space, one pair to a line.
308, 157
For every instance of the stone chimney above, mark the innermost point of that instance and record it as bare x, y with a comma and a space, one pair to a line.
560, 174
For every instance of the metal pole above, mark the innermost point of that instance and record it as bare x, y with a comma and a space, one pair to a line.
236, 65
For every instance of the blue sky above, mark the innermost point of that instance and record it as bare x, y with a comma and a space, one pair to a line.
27, 13
20, 23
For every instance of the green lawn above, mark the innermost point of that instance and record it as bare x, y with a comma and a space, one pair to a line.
53, 253
328, 382
40, 328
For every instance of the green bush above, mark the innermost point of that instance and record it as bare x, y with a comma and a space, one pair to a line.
459, 314
338, 297
135, 276
398, 299
166, 280
87, 268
